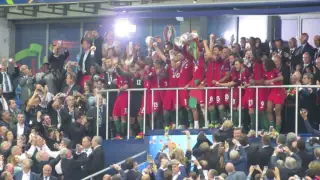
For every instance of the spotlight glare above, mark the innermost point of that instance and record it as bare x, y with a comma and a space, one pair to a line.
123, 28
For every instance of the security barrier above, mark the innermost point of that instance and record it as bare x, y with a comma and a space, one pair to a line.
206, 103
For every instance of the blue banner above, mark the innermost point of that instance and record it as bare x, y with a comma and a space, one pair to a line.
10, 2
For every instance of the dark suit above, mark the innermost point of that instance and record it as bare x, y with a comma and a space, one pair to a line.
56, 63
89, 61
252, 155
310, 68
68, 91
237, 175
65, 118
306, 48
11, 77
18, 176
316, 53
285, 71
71, 167
40, 177
131, 174
264, 153
295, 58
284, 53
92, 119
306, 158
26, 130
96, 162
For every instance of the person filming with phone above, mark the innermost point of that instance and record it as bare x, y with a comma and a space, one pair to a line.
304, 115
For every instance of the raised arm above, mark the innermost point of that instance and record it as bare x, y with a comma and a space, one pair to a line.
159, 52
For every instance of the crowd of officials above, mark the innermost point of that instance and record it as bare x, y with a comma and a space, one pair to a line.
51, 132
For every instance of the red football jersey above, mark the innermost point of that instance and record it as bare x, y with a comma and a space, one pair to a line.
225, 68
162, 81
198, 69
240, 77
210, 72
185, 74
217, 68
258, 71
150, 79
121, 81
274, 73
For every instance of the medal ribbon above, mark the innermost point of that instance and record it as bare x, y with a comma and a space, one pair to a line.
193, 47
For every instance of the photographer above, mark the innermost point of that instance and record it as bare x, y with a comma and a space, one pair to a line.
56, 59
26, 83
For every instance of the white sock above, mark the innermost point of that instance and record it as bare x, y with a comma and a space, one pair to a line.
196, 124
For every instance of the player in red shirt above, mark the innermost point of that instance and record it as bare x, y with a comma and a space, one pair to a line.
120, 108
211, 59
222, 75
276, 96
196, 96
240, 76
178, 70
257, 78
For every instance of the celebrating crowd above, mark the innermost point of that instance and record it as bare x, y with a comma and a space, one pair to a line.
231, 155
52, 131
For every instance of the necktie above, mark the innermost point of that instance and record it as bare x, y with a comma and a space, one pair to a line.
45, 178
6, 82
100, 117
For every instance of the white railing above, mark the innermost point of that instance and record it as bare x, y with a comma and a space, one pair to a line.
108, 168
206, 104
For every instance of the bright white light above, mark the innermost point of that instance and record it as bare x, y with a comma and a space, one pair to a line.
180, 19
227, 34
123, 28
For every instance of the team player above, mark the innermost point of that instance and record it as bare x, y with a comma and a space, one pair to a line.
121, 106
240, 76
211, 60
276, 96
257, 78
178, 70
222, 75
136, 97
196, 96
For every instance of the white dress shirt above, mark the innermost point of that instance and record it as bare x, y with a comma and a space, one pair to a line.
84, 61
25, 176
52, 154
175, 176
4, 88
20, 129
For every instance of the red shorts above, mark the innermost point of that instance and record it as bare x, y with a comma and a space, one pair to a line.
235, 98
211, 97
222, 97
169, 102
120, 107
156, 103
277, 95
248, 100
197, 94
